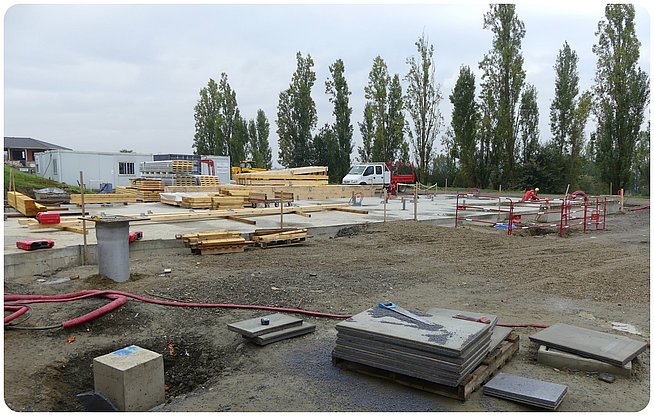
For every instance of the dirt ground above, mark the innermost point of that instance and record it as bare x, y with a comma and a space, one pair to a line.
588, 280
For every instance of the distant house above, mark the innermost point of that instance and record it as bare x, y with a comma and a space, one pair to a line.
20, 150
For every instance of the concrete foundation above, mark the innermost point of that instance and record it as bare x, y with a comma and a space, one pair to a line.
560, 359
131, 378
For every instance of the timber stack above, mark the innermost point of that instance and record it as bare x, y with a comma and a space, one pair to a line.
145, 190
24, 204
303, 176
265, 238
214, 242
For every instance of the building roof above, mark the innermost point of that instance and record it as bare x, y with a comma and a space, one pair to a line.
30, 143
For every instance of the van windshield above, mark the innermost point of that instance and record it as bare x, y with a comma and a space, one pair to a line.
357, 170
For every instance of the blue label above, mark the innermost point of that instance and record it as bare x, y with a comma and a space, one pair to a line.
126, 351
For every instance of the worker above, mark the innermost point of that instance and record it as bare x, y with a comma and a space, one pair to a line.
531, 195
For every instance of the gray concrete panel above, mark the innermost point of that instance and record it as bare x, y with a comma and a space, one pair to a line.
253, 327
613, 349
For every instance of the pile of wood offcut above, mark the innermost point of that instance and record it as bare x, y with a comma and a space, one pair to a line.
304, 176
214, 242
224, 241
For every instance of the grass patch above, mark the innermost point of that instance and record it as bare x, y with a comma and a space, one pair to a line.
26, 183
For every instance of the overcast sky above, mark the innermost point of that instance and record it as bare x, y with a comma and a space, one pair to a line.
113, 77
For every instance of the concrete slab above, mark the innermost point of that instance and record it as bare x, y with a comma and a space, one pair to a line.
449, 336
253, 327
290, 332
560, 359
613, 349
526, 390
498, 335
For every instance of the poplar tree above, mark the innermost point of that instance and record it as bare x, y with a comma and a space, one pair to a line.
464, 127
502, 84
621, 94
422, 99
297, 116
342, 129
259, 146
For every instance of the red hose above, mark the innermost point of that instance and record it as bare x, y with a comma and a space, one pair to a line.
121, 297
521, 325
19, 310
640, 208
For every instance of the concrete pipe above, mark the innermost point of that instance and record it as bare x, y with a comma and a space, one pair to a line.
113, 249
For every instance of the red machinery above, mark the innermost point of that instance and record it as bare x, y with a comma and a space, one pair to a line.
401, 173
48, 217
135, 236
30, 245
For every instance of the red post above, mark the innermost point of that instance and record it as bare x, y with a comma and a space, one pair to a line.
585, 212
561, 221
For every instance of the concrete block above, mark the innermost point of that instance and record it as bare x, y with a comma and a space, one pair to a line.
132, 378
560, 359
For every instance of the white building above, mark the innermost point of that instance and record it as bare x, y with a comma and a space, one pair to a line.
114, 168
98, 167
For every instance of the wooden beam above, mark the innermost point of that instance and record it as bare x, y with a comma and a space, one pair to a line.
243, 220
352, 210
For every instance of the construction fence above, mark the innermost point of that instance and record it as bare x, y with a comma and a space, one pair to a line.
584, 213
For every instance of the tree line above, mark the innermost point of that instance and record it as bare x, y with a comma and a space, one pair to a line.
493, 137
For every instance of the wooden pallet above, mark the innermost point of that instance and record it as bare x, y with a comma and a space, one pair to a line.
488, 368
222, 248
268, 238
147, 184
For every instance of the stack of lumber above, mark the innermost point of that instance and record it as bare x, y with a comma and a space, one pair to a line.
237, 192
207, 180
265, 238
304, 176
227, 202
145, 190
167, 166
438, 348
24, 204
196, 202
102, 198
183, 179
214, 242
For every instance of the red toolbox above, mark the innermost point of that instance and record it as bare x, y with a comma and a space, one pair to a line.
48, 217
135, 236
34, 244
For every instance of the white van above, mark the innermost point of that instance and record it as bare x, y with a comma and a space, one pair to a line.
368, 174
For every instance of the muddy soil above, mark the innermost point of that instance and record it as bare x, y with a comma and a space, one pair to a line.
589, 280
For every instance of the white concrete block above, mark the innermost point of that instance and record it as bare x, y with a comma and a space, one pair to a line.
560, 359
132, 378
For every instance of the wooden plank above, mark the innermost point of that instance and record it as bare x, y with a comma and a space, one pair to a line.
351, 210
243, 220
24, 204
101, 198
489, 367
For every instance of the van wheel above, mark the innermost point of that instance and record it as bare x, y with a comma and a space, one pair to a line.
363, 183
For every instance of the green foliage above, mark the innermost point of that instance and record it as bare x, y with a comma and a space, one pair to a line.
621, 94
342, 129
296, 116
367, 129
422, 99
385, 104
239, 140
568, 114
259, 146
641, 166
502, 84
207, 117
326, 150
543, 170
26, 183
528, 123
216, 119
465, 125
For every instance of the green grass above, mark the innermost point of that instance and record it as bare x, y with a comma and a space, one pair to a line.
26, 183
